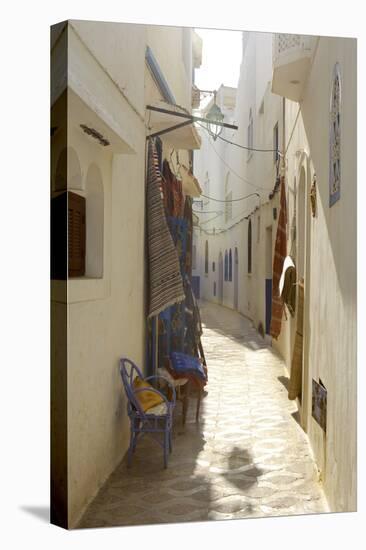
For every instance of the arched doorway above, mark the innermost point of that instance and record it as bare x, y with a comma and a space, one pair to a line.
303, 267
220, 294
300, 237
236, 279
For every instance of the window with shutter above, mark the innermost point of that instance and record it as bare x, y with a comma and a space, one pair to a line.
58, 237
76, 234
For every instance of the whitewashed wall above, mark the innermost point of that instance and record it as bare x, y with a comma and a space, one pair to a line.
110, 85
329, 252
332, 300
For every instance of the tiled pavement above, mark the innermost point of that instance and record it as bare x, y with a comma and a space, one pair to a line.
247, 456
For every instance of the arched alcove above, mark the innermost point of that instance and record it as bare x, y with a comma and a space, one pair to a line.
300, 237
94, 222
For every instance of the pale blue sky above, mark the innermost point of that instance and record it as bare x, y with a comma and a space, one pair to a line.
221, 58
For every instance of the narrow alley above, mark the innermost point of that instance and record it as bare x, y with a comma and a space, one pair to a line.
199, 181
247, 456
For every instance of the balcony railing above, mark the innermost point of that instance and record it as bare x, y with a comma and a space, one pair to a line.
292, 57
292, 44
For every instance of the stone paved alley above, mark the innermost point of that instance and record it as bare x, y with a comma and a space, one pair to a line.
247, 456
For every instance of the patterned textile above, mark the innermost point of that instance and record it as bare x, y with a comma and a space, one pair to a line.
193, 320
279, 257
178, 229
295, 384
186, 364
173, 193
189, 219
172, 322
159, 151
183, 365
165, 280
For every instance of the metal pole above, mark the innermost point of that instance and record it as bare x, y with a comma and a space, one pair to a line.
191, 117
161, 132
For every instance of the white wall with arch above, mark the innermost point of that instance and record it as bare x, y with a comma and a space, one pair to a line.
94, 192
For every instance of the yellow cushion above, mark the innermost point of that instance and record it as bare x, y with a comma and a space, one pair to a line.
146, 399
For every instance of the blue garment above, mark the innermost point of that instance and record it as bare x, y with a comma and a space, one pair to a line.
187, 364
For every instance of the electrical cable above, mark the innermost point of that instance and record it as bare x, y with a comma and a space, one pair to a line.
207, 211
219, 231
232, 200
232, 171
212, 219
250, 148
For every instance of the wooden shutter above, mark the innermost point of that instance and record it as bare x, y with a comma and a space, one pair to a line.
76, 234
58, 237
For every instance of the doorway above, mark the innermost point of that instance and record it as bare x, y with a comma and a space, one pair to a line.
236, 279
221, 279
303, 267
268, 279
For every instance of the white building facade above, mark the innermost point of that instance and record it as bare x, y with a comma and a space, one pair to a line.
103, 77
298, 95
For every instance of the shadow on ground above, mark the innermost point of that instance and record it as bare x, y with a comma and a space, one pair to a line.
40, 512
238, 461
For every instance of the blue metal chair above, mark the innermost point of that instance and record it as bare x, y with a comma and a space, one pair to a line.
156, 420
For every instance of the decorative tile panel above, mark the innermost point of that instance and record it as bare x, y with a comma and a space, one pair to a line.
335, 137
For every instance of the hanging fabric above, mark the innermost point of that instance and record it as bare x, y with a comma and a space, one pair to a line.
173, 193
187, 214
295, 384
279, 257
288, 284
159, 152
193, 321
165, 280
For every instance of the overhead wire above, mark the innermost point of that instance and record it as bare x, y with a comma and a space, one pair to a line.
212, 219
206, 211
257, 150
247, 216
220, 230
231, 169
224, 230
232, 200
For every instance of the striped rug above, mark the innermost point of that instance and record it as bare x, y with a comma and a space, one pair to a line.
165, 280
279, 258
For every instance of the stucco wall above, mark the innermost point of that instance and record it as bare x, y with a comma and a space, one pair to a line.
328, 249
109, 86
167, 46
102, 328
332, 323
128, 43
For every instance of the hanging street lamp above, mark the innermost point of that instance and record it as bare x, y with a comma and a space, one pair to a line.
214, 120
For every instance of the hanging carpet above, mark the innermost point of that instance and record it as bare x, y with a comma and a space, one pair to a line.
165, 280
279, 258
173, 193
